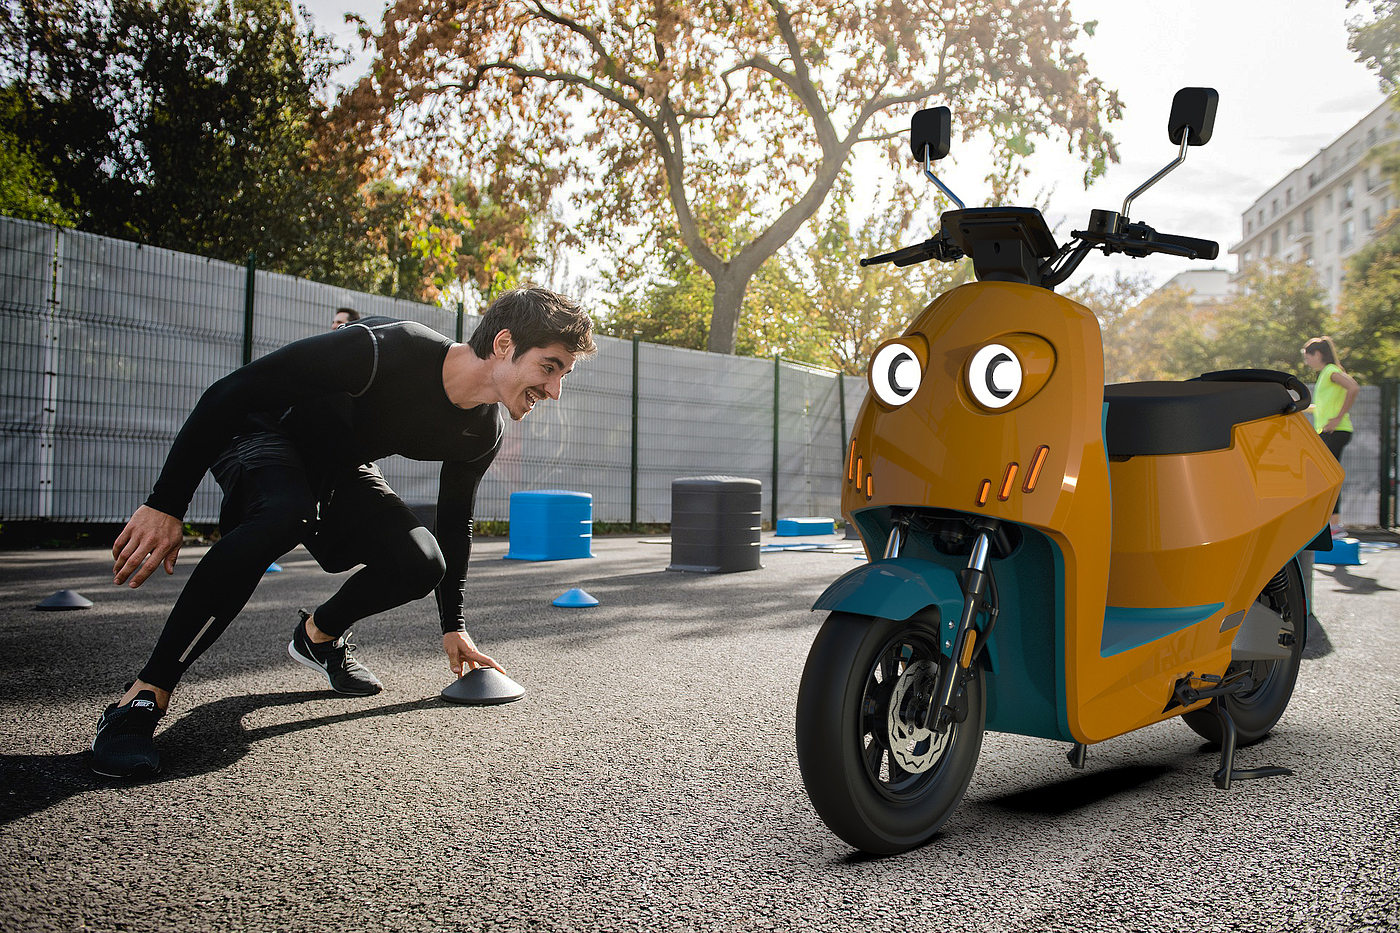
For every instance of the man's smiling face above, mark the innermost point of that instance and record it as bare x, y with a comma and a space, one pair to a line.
535, 375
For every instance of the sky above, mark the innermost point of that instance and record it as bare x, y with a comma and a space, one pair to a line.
1288, 86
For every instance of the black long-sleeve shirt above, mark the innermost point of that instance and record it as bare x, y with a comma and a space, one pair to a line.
347, 397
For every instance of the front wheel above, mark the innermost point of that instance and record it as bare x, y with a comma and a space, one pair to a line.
875, 776
1258, 711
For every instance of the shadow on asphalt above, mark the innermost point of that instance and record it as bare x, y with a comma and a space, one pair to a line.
209, 738
1066, 796
1348, 582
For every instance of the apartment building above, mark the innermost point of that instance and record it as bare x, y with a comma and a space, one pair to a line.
1325, 210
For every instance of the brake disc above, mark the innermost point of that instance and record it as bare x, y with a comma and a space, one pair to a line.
915, 748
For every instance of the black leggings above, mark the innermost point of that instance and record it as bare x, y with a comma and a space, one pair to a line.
269, 510
1336, 442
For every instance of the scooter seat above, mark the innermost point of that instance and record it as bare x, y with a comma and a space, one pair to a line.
1158, 418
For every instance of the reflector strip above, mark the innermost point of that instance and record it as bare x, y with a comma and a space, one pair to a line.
1008, 481
851, 464
1038, 461
869, 486
860, 468
967, 650
984, 492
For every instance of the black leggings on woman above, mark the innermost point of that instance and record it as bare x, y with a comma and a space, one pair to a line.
270, 509
1336, 441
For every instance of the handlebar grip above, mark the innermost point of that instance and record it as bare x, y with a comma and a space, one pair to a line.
1204, 249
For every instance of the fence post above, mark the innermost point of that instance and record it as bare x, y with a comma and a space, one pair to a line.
777, 371
461, 317
845, 431
636, 384
249, 286
48, 413
1389, 468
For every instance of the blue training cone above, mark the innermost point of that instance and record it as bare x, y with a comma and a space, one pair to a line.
273, 568
1345, 552
575, 599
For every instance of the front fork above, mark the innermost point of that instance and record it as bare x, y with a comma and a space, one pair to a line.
961, 636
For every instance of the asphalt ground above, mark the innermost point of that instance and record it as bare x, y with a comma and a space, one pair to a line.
648, 781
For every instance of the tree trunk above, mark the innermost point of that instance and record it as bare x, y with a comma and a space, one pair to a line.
730, 285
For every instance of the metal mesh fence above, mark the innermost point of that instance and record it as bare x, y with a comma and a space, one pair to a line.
105, 347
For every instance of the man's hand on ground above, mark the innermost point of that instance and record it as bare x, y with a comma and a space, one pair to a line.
150, 539
463, 656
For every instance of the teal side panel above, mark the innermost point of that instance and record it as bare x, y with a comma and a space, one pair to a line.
1025, 690
1127, 628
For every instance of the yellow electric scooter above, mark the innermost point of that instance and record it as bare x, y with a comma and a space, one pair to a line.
1050, 556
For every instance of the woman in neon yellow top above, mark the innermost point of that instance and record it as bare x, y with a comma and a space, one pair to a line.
1332, 400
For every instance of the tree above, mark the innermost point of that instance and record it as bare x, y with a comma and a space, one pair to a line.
201, 126
1369, 322
693, 114
1277, 309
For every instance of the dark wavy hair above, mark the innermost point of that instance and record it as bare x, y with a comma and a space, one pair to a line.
535, 317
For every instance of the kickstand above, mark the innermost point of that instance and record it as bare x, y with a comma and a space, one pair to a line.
1227, 772
1076, 756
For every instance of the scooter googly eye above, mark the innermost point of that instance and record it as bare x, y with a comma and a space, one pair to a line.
895, 373
1091, 561
994, 376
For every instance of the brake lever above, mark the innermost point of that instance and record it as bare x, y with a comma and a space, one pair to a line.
939, 247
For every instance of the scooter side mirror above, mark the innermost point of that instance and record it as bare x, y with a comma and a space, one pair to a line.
1193, 112
932, 129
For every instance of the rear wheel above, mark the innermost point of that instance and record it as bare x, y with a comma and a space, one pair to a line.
875, 776
1258, 711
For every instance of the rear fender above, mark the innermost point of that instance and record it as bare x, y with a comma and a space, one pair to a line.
897, 588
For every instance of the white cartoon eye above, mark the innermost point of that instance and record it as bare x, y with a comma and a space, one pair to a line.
895, 374
994, 376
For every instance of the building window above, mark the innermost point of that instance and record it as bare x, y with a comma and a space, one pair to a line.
1248, 227
1288, 197
1288, 229
1273, 243
1348, 195
1327, 241
1348, 236
1247, 257
1366, 219
1327, 204
1327, 279
1308, 220
1273, 209
1308, 253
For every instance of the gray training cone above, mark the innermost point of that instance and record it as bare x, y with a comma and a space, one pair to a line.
65, 599
484, 686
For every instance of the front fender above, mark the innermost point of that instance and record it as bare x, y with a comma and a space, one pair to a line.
895, 589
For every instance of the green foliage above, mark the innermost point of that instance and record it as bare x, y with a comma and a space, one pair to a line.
26, 189
1278, 308
204, 126
1368, 328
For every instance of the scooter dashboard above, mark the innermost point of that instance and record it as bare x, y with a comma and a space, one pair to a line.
1006, 244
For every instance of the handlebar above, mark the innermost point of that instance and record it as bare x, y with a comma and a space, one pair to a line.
939, 247
1203, 249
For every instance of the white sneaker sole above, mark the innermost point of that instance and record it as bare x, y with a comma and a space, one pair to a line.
302, 659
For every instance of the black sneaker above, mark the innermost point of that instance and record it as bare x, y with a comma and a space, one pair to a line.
335, 659
124, 746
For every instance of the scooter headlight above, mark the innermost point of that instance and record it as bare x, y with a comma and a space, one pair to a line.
897, 370
1006, 374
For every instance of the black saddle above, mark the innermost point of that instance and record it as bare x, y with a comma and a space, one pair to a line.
1157, 418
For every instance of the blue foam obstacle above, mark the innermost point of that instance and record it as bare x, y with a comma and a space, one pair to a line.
484, 686
273, 568
810, 525
550, 524
1345, 552
575, 599
63, 600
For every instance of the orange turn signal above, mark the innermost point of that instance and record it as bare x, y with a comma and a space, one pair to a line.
1038, 461
984, 492
1008, 481
851, 464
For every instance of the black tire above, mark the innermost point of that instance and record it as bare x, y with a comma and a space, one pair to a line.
843, 734
1259, 710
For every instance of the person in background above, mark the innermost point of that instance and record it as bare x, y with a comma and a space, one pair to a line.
344, 316
1332, 400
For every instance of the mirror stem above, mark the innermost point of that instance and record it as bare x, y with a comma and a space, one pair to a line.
1181, 157
928, 171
